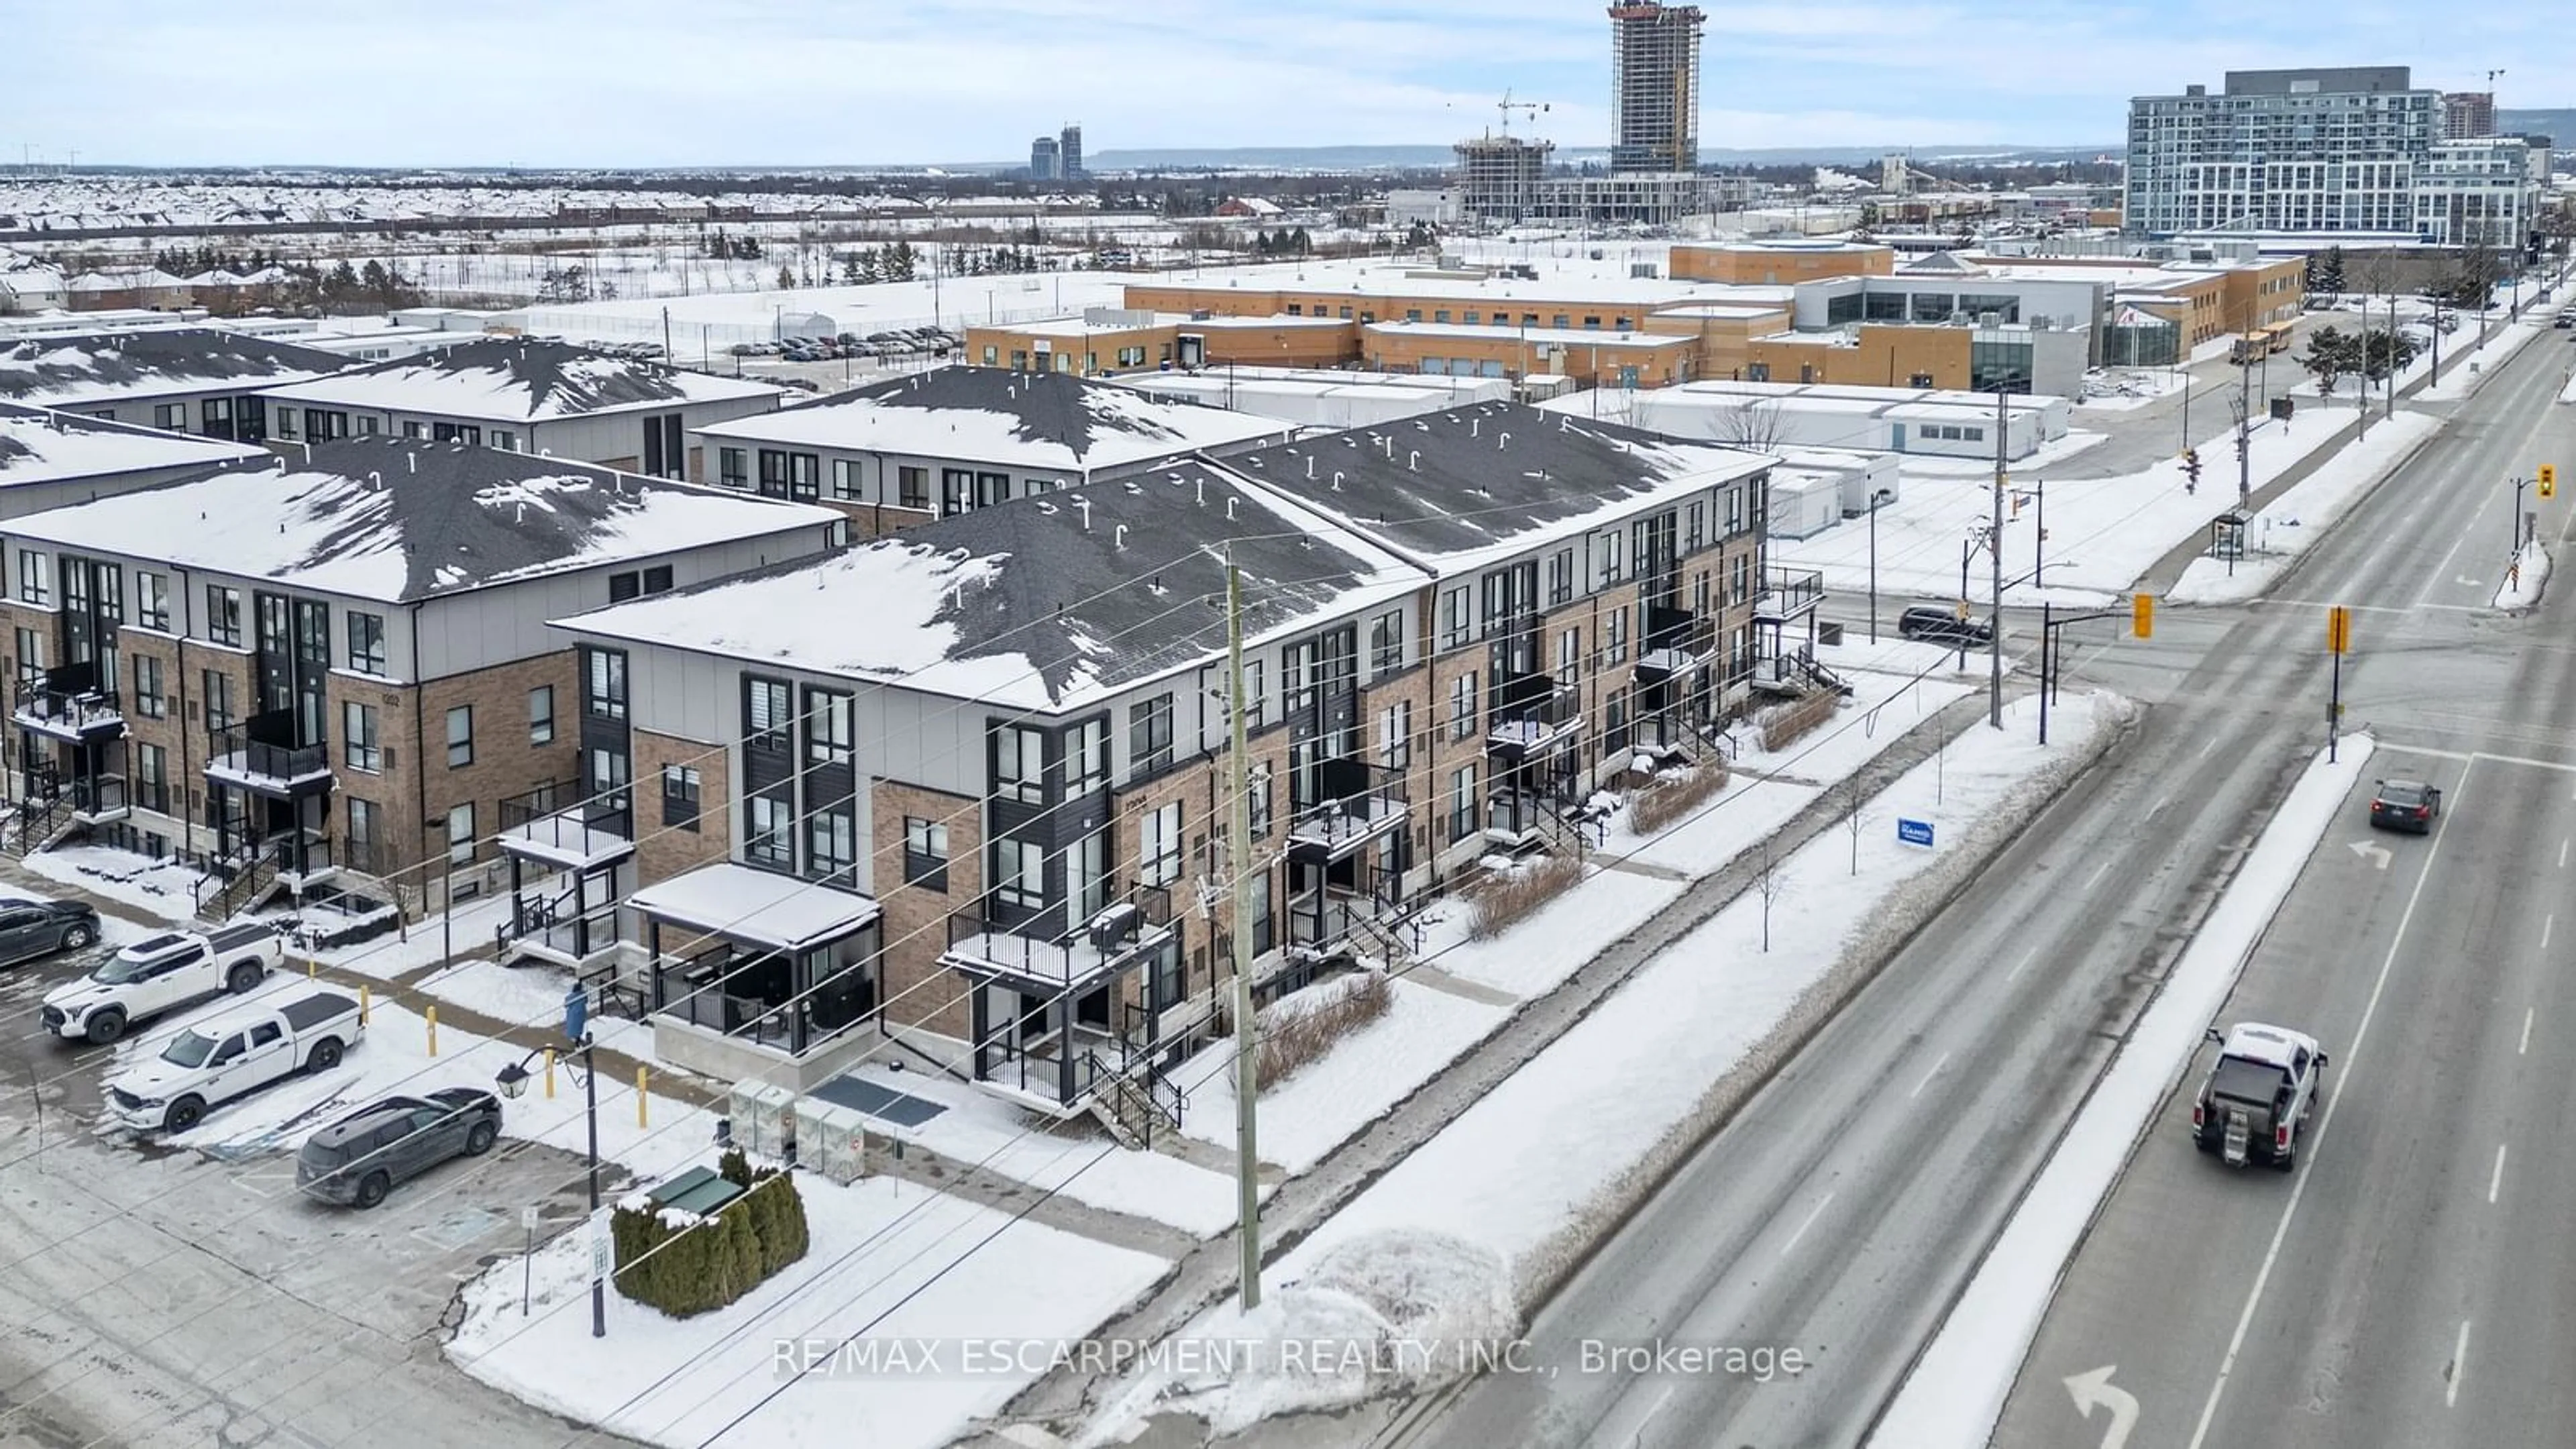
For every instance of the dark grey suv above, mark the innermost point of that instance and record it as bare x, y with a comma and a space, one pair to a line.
1942, 626
358, 1158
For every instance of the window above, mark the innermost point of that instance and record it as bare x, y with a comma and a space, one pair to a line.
171, 416
831, 846
925, 853
286, 424
604, 685
218, 694
223, 615
541, 715
460, 834
31, 656
1735, 510
766, 843
1453, 618
622, 587
358, 727
1605, 548
148, 700
827, 727
34, 582
1086, 765
1158, 845
845, 480
956, 490
1462, 803
1741, 587
152, 600
657, 579
502, 438
1569, 657
730, 468
1462, 706
1149, 736
411, 428
1395, 735
1618, 639
470, 434
1560, 576
1019, 874
1386, 642
1256, 805
1694, 527
152, 778
460, 736
1019, 764
766, 714
367, 643
680, 797
914, 486
1256, 699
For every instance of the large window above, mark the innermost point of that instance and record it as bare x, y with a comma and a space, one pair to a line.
1019, 764
1158, 845
1617, 639
152, 778
218, 694
766, 843
680, 797
765, 714
358, 725
1462, 803
366, 642
1087, 866
1149, 735
460, 736
1453, 618
913, 485
832, 846
827, 727
34, 585
152, 600
845, 480
460, 834
603, 693
223, 614
1462, 706
541, 715
731, 469
1560, 576
925, 853
149, 701
1386, 642
1395, 734
1086, 763
1019, 873
1842, 309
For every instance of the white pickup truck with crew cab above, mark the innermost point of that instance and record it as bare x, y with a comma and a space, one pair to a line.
158, 974
235, 1054
2259, 1094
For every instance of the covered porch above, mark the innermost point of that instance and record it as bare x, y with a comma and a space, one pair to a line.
748, 968
1049, 1022
571, 863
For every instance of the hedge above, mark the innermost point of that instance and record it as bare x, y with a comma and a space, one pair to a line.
703, 1264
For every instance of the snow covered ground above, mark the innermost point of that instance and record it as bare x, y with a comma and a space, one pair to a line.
1528, 1173
2461, 380
164, 888
2294, 522
2567, 394
2122, 389
531, 995
876, 1244
2521, 587
1958, 1387
2048, 454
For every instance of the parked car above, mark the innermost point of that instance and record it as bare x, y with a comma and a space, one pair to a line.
161, 973
1940, 625
358, 1158
2563, 321
2405, 805
2258, 1095
33, 929
216, 1061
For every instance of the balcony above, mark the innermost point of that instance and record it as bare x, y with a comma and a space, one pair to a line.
1034, 955
1543, 720
554, 826
99, 799
1524, 819
1675, 646
1364, 802
1788, 594
70, 711
250, 757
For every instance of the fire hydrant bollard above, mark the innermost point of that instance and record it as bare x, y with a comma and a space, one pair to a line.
641, 1101
362, 1006
431, 1015
550, 1074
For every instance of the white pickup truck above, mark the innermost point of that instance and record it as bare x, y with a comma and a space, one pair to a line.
161, 973
215, 1061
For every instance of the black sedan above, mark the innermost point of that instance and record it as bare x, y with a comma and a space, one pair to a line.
358, 1158
30, 930
2405, 805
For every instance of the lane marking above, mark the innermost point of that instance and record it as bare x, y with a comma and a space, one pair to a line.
2527, 1013
2101, 871
2373, 608
1928, 1076
2562, 855
2334, 1103
1817, 1212
2158, 808
2466, 756
2459, 1367
2026, 958
2495, 1180
2205, 749
2546, 922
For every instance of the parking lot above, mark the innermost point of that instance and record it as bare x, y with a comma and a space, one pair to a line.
182, 1296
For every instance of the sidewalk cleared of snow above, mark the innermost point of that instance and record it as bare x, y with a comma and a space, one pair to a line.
2522, 583
1540, 1163
1958, 1387
2298, 519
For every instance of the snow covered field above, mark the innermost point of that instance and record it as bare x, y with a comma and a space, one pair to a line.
1525, 1175
2294, 522
1958, 1387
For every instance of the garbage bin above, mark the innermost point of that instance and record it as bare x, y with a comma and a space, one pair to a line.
1828, 632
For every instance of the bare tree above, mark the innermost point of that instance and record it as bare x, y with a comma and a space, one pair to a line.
1771, 882
1755, 427
1852, 820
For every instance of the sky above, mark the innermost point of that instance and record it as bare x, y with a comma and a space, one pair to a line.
549, 83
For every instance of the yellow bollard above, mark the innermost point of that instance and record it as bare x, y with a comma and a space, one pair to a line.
362, 1006
431, 1014
640, 1098
550, 1074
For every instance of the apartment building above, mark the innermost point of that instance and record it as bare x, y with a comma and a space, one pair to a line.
49, 459
2334, 149
337, 672
200, 380
992, 823
530, 396
902, 452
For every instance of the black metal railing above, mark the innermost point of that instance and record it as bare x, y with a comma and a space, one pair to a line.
98, 794
703, 998
1533, 719
233, 751
1363, 800
560, 817
1038, 948
1786, 593
75, 711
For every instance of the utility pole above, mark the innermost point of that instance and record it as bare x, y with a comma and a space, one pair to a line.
2244, 432
1995, 556
2390, 354
1238, 849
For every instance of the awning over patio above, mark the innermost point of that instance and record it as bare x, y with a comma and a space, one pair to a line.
757, 906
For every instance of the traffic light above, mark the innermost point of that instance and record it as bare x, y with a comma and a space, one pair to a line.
2142, 615
2338, 629
2548, 480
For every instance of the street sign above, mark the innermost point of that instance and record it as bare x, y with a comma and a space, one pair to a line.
2338, 630
528, 1218
1914, 832
2142, 615
600, 1255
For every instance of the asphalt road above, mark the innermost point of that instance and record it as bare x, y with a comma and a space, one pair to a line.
1845, 1206
2410, 1283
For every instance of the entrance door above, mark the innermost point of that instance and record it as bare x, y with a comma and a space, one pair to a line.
1896, 437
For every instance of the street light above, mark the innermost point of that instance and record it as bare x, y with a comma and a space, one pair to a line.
1877, 498
513, 1082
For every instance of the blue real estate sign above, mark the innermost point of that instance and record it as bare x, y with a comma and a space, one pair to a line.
1914, 832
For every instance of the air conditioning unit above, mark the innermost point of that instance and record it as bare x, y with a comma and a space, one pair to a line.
1116, 926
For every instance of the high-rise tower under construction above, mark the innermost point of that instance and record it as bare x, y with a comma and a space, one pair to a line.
1654, 86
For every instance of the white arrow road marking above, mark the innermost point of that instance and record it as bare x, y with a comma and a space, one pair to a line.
2095, 1388
2470, 582
2372, 851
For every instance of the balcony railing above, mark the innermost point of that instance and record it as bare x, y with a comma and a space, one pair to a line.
556, 823
1536, 725
1788, 593
98, 798
72, 714
1108, 941
1369, 802
236, 758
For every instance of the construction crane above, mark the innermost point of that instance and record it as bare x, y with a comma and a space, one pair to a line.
1507, 105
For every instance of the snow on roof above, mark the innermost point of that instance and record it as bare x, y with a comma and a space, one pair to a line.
761, 906
397, 519
72, 370
1458, 488
1029, 421
1045, 603
521, 380
40, 446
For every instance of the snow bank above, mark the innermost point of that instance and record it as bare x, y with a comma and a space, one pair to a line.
2567, 394
1957, 1389
2499, 350
2521, 587
2299, 518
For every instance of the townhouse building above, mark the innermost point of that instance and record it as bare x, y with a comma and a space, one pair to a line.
902, 452
992, 822
200, 380
336, 673
49, 459
527, 395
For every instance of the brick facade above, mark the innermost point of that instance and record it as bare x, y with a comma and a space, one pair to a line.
661, 853
917, 989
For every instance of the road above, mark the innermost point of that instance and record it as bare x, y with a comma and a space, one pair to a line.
2409, 1284
1844, 1207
